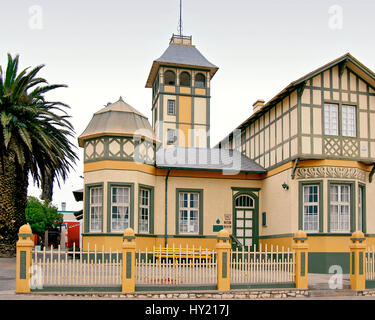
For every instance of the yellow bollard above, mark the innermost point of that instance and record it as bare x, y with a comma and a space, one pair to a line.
24, 249
300, 248
357, 261
223, 260
128, 261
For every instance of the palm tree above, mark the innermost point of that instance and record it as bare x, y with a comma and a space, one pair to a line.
34, 139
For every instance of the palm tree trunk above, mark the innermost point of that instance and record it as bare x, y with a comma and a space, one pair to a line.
47, 186
13, 200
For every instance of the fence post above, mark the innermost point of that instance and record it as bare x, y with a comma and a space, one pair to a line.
300, 248
357, 261
25, 246
223, 260
128, 261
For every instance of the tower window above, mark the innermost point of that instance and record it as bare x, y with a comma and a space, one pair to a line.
169, 78
185, 79
200, 81
171, 136
171, 107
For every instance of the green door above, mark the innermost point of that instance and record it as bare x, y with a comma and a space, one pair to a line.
245, 225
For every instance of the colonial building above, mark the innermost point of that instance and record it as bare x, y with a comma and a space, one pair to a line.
303, 160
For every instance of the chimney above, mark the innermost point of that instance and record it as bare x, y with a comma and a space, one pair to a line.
258, 105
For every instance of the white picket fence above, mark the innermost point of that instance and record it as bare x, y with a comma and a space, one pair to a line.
370, 263
175, 266
270, 265
76, 268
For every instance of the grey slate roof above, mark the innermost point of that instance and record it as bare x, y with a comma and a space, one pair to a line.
186, 55
120, 119
206, 159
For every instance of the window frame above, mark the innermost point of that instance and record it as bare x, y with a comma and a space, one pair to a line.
200, 211
179, 79
362, 212
151, 208
303, 184
175, 137
174, 107
87, 215
352, 205
204, 82
340, 119
110, 185
164, 78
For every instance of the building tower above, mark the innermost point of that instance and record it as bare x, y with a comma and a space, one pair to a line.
180, 81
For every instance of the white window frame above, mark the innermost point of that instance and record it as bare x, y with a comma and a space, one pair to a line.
144, 210
331, 119
191, 223
310, 204
96, 209
121, 222
340, 204
349, 120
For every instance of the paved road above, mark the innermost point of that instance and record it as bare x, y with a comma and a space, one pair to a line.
8, 286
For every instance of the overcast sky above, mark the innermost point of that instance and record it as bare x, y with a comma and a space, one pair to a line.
104, 49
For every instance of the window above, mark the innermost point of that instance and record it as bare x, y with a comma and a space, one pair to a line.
120, 208
311, 208
169, 78
171, 136
348, 121
96, 208
339, 208
331, 121
200, 81
171, 107
188, 212
144, 210
185, 79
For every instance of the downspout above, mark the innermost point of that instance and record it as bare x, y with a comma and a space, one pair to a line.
166, 209
294, 168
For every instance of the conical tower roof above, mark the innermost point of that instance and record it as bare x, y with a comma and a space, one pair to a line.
118, 119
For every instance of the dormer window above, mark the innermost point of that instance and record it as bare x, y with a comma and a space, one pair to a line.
185, 79
200, 81
169, 78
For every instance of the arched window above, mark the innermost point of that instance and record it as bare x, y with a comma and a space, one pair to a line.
185, 79
200, 81
169, 78
244, 201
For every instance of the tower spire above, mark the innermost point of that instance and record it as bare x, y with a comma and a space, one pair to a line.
180, 21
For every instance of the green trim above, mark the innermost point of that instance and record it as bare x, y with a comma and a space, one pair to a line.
246, 189
301, 184
128, 265
225, 265
360, 262
86, 214
264, 285
151, 189
200, 192
286, 235
150, 235
353, 263
352, 202
162, 288
363, 213
78, 289
370, 284
303, 264
22, 265
110, 185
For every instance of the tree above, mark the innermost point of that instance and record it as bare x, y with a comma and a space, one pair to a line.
34, 139
42, 216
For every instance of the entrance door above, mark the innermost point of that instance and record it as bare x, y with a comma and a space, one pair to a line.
245, 228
